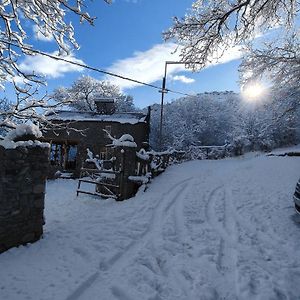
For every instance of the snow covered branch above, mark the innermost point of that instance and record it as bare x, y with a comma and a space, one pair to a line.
126, 140
278, 60
48, 18
212, 27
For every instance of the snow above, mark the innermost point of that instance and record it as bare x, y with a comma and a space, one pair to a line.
141, 179
97, 162
126, 140
286, 150
142, 154
223, 229
8, 144
122, 118
22, 130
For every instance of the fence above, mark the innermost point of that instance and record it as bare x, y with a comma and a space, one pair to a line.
208, 152
121, 176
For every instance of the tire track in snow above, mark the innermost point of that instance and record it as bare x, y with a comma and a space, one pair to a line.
117, 262
154, 232
179, 218
231, 226
227, 257
84, 286
182, 238
263, 241
154, 228
215, 194
232, 222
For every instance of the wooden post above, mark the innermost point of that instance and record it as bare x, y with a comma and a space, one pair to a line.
128, 163
122, 168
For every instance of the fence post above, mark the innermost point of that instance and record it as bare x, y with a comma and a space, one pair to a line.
127, 168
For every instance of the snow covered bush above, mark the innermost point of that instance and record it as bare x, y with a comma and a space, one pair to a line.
194, 152
238, 146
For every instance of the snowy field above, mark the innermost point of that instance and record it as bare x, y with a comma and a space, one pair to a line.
203, 230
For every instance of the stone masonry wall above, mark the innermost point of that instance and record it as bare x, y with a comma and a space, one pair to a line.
23, 172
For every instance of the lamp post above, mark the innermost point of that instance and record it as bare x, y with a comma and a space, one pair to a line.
164, 91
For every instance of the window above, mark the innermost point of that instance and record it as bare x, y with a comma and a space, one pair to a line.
63, 155
103, 153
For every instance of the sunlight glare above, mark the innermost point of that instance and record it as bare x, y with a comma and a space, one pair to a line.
253, 92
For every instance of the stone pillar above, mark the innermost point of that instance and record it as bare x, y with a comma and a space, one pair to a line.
23, 172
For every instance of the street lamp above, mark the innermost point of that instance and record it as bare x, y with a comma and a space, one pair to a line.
164, 91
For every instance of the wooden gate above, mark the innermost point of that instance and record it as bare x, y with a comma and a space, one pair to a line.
101, 187
109, 178
122, 175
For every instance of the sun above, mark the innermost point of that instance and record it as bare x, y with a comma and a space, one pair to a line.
253, 91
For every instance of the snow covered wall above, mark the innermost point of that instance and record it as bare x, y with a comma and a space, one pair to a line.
23, 171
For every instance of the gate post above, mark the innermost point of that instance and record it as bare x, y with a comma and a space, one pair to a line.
127, 164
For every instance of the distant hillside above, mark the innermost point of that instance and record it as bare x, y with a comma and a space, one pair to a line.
216, 118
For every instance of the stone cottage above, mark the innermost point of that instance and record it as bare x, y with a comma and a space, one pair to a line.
82, 130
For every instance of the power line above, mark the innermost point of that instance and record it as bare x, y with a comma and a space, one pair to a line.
94, 68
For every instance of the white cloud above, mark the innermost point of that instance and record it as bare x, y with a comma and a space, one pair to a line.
49, 67
183, 79
148, 66
42, 35
229, 55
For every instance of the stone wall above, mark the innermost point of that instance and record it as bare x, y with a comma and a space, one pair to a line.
23, 172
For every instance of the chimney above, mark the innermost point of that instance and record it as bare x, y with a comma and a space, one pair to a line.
105, 106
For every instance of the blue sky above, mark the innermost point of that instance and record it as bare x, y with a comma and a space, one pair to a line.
127, 39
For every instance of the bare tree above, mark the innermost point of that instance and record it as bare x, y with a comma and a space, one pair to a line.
49, 18
31, 107
278, 60
212, 27
83, 92
5, 106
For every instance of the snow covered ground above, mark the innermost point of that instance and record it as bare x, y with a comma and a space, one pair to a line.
285, 150
203, 230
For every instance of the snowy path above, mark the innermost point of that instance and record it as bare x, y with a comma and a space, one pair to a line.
203, 230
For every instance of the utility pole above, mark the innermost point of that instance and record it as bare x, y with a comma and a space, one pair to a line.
164, 91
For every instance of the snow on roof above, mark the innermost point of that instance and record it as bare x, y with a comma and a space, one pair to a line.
123, 118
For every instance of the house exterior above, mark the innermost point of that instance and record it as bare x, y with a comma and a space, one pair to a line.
82, 130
